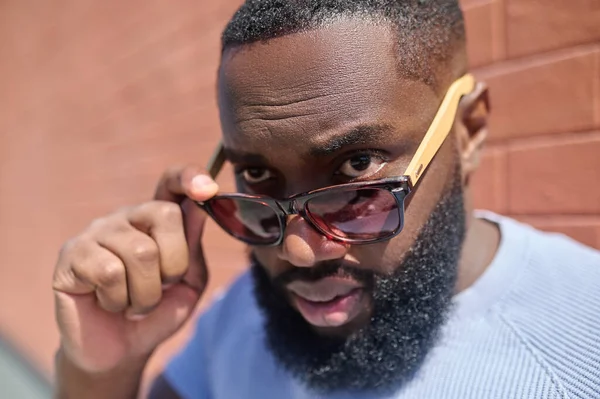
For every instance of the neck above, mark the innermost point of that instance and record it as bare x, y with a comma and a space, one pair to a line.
479, 248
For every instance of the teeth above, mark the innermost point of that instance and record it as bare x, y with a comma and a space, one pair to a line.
322, 296
322, 300
325, 290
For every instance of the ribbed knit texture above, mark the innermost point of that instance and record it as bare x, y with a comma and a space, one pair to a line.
528, 328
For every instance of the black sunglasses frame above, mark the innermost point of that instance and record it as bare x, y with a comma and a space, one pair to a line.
398, 187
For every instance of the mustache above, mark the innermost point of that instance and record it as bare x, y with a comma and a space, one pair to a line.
325, 269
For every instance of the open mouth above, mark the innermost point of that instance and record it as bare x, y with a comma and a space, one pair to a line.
329, 302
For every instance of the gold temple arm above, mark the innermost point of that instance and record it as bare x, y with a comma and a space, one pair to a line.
440, 127
216, 161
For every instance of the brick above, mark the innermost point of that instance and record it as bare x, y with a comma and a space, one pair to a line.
555, 176
464, 4
597, 90
499, 29
550, 95
535, 26
478, 24
99, 100
489, 183
583, 229
485, 32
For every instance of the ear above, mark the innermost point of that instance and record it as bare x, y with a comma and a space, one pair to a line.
472, 128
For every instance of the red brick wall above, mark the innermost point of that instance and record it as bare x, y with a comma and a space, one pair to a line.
541, 59
96, 98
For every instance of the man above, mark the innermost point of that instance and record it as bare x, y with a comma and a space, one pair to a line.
381, 282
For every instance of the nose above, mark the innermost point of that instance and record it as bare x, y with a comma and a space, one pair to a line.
303, 246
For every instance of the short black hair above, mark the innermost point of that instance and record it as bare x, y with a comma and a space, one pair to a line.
429, 32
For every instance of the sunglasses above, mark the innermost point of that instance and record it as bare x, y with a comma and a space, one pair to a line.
354, 213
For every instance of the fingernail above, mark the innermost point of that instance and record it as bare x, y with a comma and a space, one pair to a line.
202, 184
136, 317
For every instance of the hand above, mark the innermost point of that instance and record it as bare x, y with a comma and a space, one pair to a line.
132, 278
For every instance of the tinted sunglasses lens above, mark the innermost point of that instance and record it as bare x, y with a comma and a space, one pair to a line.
362, 214
250, 221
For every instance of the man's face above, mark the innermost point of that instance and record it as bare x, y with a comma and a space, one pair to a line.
322, 108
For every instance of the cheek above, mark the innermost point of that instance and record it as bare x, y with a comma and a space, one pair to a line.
385, 257
437, 179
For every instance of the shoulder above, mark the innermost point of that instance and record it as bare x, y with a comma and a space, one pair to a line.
547, 260
553, 307
556, 267
554, 272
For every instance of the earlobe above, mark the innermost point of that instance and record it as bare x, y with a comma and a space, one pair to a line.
473, 127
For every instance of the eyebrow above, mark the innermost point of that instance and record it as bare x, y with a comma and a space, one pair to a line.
359, 135
235, 156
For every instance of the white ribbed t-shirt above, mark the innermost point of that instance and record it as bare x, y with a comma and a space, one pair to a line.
529, 327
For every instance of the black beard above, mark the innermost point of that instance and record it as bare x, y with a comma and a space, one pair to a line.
410, 306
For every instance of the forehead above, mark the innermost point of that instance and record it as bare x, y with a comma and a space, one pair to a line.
305, 88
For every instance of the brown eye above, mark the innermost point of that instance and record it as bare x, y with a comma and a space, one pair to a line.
361, 165
256, 175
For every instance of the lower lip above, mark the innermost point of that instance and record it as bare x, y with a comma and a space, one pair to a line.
334, 313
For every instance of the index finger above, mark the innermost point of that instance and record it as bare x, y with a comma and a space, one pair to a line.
185, 181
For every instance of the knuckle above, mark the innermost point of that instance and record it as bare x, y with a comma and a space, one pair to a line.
169, 212
144, 252
73, 248
111, 303
165, 213
98, 224
114, 223
111, 273
68, 247
124, 209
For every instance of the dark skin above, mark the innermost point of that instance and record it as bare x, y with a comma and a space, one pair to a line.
266, 111
286, 133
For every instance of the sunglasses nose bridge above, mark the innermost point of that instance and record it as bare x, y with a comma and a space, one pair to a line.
288, 207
